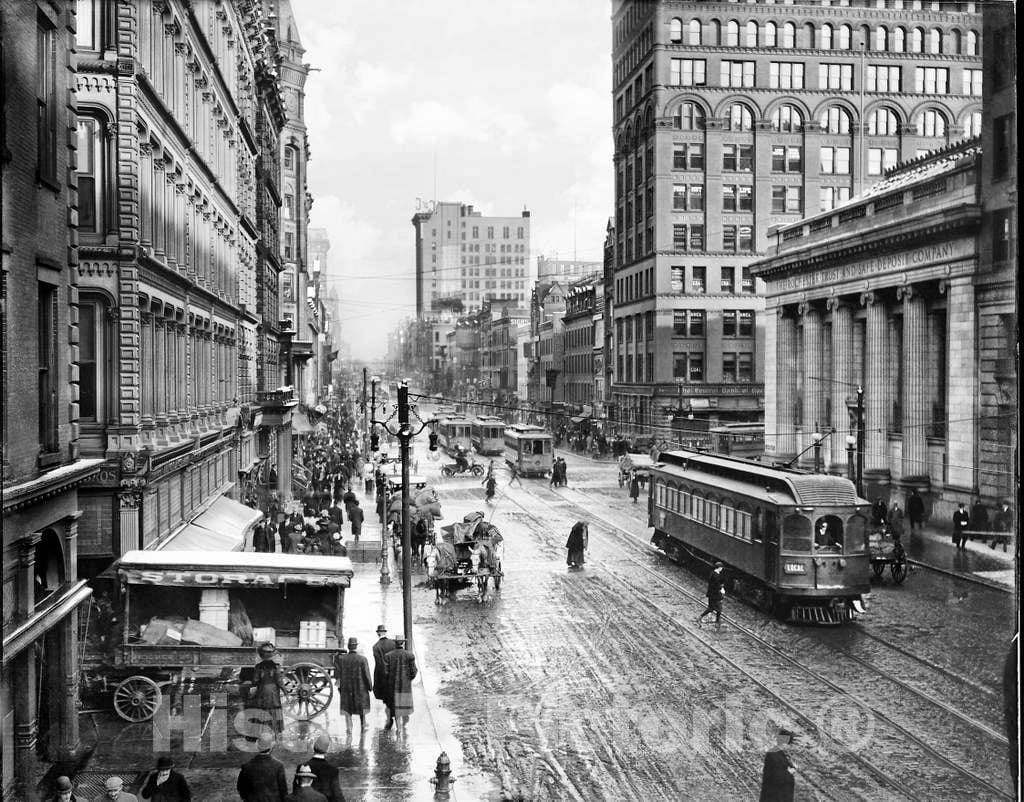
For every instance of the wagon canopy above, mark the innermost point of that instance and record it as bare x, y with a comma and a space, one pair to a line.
210, 569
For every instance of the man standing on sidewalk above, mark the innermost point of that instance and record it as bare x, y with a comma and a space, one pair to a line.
1003, 523
381, 648
399, 672
915, 510
355, 515
961, 520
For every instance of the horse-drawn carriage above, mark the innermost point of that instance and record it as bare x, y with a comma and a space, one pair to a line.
468, 554
887, 550
196, 617
424, 508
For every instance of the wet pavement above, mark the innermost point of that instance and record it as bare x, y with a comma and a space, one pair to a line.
594, 684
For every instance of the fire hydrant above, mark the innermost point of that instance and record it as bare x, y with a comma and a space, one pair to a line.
442, 778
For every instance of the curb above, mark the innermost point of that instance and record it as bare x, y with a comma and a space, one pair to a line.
959, 575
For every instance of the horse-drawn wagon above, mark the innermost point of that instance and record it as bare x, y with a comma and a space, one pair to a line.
467, 554
887, 550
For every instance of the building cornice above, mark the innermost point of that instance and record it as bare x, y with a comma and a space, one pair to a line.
48, 485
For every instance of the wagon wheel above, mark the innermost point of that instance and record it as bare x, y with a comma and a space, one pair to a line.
899, 572
137, 698
878, 568
307, 688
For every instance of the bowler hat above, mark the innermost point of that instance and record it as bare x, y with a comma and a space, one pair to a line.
381, 628
164, 763
64, 784
353, 644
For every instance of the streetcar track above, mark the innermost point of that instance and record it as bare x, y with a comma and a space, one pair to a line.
879, 773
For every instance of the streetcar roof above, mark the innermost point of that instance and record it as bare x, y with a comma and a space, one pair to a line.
526, 430
805, 488
738, 487
234, 562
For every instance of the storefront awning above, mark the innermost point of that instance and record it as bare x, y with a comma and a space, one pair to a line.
222, 527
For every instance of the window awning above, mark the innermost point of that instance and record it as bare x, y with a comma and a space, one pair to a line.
222, 527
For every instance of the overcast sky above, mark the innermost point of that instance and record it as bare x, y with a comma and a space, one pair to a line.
503, 105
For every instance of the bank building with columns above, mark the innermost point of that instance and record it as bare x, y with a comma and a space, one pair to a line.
886, 294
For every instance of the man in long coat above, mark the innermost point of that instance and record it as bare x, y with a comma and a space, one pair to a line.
383, 645
262, 778
399, 672
353, 675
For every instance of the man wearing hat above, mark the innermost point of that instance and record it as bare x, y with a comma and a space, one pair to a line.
352, 673
305, 792
383, 645
715, 594
113, 792
262, 778
164, 784
65, 791
327, 780
399, 672
777, 780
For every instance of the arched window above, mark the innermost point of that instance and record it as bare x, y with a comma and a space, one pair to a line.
93, 175
956, 42
739, 118
787, 118
732, 33
882, 122
835, 120
688, 117
751, 34
935, 41
881, 38
788, 35
828, 533
916, 40
856, 533
845, 37
826, 37
694, 32
972, 43
932, 123
796, 533
771, 35
676, 30
899, 40
972, 124
714, 32
864, 38
809, 35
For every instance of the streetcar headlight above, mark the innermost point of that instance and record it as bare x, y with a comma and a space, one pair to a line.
795, 568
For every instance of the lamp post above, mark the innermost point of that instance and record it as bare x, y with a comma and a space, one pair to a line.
851, 444
385, 570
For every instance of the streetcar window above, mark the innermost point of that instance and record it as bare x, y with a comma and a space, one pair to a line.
538, 446
796, 533
686, 503
755, 524
828, 533
857, 532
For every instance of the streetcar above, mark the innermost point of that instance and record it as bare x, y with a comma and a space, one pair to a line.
794, 543
453, 432
529, 449
744, 440
488, 434
198, 616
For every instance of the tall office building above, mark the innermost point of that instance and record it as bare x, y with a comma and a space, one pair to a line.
555, 269
734, 118
464, 258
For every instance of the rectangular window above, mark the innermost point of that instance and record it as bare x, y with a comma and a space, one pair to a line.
289, 204
1001, 235
786, 75
696, 368
931, 80
746, 238
697, 322
748, 280
729, 323
830, 197
881, 159
739, 74
745, 368
972, 82
679, 364
688, 72
289, 244
835, 161
696, 238
729, 238
289, 158
46, 333
1002, 141
698, 280
728, 280
881, 78
87, 358
737, 158
728, 367
787, 159
835, 76
787, 200
679, 323
46, 100
677, 279
737, 198
89, 177
688, 156
746, 323
679, 237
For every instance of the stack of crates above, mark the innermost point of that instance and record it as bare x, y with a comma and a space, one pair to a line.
214, 607
312, 634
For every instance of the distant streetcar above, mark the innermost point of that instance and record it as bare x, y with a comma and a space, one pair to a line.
744, 440
530, 449
488, 434
453, 431
794, 543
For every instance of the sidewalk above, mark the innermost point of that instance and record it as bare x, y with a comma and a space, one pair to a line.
933, 548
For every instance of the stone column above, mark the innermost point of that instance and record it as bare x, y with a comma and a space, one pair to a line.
146, 365
877, 396
916, 412
785, 351
69, 743
814, 381
843, 382
26, 717
130, 526
160, 377
180, 375
961, 384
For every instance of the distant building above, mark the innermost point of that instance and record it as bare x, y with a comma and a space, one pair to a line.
555, 269
583, 340
464, 259
545, 389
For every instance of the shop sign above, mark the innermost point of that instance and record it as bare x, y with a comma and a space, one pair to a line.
225, 579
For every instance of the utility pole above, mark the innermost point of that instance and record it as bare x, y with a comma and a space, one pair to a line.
404, 437
366, 427
860, 440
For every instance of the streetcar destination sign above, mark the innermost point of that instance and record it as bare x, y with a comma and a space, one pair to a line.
220, 578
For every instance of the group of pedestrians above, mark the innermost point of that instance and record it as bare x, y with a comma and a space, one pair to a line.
558, 473
978, 520
263, 778
162, 784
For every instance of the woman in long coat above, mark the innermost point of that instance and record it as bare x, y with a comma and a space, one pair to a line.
634, 486
267, 685
777, 781
399, 672
576, 544
353, 675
